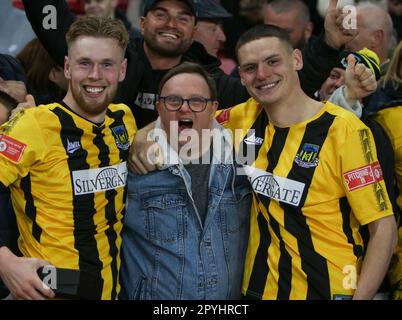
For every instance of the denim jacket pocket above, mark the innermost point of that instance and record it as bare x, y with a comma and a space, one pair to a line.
164, 216
236, 207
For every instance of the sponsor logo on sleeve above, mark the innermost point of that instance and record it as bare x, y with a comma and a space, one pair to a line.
308, 156
11, 148
275, 187
363, 176
99, 179
121, 137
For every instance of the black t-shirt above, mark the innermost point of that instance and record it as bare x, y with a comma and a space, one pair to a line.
144, 105
199, 174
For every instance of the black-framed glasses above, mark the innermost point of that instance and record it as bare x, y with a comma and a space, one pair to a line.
174, 103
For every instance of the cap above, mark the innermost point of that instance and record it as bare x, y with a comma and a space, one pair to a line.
149, 5
366, 56
11, 69
210, 9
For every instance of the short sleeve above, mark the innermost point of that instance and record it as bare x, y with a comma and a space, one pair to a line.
21, 145
363, 178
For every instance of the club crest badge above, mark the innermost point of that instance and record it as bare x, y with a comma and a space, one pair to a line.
121, 137
308, 156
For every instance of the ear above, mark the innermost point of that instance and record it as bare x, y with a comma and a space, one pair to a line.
308, 31
67, 70
142, 24
215, 105
378, 38
241, 76
297, 59
158, 106
123, 69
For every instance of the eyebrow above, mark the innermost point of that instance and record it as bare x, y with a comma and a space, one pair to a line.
275, 55
185, 11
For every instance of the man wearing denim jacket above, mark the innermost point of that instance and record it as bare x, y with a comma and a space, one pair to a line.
185, 235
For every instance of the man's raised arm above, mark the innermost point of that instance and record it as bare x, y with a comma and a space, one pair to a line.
50, 19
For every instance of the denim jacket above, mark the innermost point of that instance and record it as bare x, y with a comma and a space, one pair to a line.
167, 253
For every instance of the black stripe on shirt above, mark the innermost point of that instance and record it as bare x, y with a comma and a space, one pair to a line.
313, 264
110, 210
83, 205
30, 208
260, 268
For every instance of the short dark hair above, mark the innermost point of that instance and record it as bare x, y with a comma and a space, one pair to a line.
100, 27
191, 68
281, 6
263, 31
6, 100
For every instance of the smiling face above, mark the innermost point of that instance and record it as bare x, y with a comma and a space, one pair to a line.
268, 69
94, 67
186, 86
168, 28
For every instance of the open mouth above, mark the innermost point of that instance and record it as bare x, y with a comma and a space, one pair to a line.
268, 86
169, 35
94, 91
185, 124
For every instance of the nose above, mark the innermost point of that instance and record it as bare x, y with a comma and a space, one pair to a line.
185, 108
339, 82
262, 71
94, 73
221, 34
172, 22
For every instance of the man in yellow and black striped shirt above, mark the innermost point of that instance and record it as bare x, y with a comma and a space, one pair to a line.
315, 177
65, 164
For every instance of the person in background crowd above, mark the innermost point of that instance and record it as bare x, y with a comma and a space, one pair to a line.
375, 32
108, 8
209, 31
46, 81
389, 115
167, 27
292, 16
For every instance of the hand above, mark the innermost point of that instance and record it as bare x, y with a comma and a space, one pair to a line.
28, 103
336, 36
20, 277
145, 154
15, 89
360, 82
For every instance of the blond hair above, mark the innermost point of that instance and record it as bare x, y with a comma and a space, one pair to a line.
393, 74
100, 27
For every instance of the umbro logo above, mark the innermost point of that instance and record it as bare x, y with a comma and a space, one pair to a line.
254, 140
72, 146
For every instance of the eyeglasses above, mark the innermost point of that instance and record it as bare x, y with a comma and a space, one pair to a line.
174, 103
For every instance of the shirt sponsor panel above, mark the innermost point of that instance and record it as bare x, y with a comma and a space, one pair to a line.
364, 176
275, 187
100, 179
